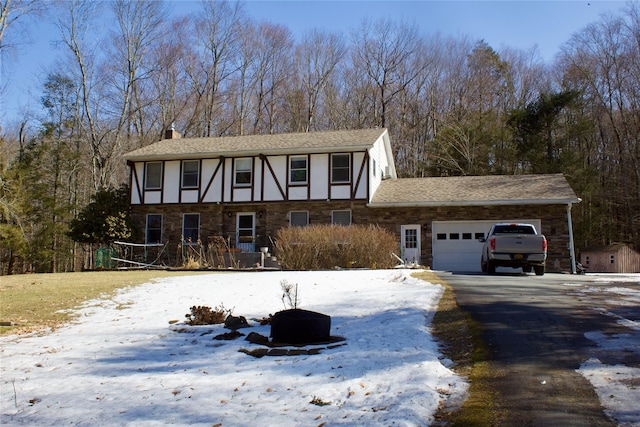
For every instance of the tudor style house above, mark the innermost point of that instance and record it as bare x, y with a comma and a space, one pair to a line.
245, 188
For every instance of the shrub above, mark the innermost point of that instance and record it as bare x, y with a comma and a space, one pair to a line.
319, 247
203, 315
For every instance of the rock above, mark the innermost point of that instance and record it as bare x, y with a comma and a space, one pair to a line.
256, 338
229, 336
236, 322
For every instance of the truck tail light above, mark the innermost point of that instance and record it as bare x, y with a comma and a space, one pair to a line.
544, 245
492, 243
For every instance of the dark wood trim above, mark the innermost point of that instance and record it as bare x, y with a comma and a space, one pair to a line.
215, 172
265, 159
362, 168
134, 178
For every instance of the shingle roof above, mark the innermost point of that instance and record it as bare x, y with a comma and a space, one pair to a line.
475, 190
258, 144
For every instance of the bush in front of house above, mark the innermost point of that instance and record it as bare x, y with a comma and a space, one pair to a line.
318, 247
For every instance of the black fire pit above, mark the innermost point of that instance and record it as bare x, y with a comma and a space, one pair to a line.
298, 326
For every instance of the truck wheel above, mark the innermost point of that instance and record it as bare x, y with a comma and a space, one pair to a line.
491, 267
539, 269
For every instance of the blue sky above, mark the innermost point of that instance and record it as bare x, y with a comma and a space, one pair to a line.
518, 24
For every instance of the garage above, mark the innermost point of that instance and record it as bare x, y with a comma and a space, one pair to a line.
456, 246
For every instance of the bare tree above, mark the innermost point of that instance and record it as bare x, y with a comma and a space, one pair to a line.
272, 68
217, 36
383, 53
74, 22
600, 61
317, 57
139, 26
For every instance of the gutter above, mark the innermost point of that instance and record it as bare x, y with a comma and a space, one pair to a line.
436, 203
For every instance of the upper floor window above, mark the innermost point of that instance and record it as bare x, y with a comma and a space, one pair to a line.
191, 228
299, 218
154, 229
298, 170
243, 172
153, 176
190, 173
341, 217
340, 168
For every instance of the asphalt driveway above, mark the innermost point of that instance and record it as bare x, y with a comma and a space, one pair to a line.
535, 329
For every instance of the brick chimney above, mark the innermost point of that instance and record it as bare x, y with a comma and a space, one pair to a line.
172, 133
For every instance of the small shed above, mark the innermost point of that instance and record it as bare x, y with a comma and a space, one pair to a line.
614, 258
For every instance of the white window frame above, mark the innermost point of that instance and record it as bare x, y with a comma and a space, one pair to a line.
147, 184
293, 159
244, 170
338, 221
190, 173
146, 229
184, 235
335, 169
299, 214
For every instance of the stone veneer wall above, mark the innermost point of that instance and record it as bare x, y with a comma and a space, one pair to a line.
220, 220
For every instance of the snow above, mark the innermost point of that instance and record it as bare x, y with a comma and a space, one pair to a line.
616, 384
123, 363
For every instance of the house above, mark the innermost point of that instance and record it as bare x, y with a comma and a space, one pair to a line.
245, 188
613, 258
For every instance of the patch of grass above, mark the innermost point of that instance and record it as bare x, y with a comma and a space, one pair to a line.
42, 301
461, 341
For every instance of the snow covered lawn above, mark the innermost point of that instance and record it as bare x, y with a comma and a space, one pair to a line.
122, 363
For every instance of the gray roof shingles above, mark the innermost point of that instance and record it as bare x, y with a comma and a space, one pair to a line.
430, 191
474, 190
293, 143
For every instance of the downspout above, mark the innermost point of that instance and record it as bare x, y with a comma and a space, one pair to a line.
572, 252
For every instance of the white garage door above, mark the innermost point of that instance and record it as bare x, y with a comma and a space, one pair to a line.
455, 244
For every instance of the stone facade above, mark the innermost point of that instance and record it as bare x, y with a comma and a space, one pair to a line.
220, 220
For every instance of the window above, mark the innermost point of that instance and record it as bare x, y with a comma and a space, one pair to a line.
154, 229
190, 173
375, 167
441, 236
411, 238
243, 172
191, 228
298, 170
299, 218
454, 236
612, 259
153, 176
466, 236
341, 217
479, 236
340, 167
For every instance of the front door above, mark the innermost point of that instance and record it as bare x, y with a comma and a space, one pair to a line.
246, 231
410, 242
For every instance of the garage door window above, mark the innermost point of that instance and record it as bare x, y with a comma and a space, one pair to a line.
441, 236
454, 236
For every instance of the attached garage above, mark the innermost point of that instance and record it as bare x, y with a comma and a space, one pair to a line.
455, 244
450, 213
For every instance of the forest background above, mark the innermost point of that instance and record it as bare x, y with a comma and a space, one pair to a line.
453, 106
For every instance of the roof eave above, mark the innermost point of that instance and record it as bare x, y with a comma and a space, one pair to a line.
473, 203
245, 153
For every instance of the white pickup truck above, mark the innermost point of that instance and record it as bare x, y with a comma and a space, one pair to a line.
514, 245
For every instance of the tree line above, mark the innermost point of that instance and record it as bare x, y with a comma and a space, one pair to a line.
129, 70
